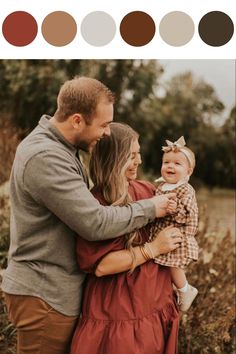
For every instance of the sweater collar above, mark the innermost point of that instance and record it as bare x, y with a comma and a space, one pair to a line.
45, 123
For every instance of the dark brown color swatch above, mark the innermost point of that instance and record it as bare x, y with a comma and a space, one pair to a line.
20, 28
137, 28
216, 28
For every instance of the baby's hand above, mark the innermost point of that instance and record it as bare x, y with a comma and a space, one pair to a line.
172, 206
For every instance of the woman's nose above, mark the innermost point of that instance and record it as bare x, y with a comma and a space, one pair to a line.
138, 160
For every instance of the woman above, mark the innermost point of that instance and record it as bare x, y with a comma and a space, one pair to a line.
124, 312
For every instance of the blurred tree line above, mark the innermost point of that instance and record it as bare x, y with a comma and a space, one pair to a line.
183, 106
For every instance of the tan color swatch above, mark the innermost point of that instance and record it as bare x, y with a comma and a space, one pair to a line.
59, 28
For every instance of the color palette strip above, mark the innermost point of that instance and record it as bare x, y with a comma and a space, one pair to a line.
106, 29
136, 28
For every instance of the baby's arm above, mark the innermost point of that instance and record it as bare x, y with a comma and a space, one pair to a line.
172, 204
187, 212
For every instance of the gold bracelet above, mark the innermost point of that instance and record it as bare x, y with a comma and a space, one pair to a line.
144, 253
141, 250
147, 246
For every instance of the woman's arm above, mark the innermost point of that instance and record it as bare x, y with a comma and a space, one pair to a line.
120, 261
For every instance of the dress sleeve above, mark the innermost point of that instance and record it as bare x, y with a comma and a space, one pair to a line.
89, 254
186, 206
188, 213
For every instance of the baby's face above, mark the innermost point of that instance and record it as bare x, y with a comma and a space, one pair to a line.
175, 167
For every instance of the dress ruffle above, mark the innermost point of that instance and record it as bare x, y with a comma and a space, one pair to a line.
155, 333
125, 313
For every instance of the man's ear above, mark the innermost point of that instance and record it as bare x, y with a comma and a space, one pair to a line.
76, 120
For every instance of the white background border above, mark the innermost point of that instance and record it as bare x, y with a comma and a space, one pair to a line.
117, 48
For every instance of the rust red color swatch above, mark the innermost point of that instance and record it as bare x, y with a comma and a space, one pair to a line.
20, 28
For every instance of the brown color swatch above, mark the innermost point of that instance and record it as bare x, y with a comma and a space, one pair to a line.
137, 28
20, 28
216, 28
59, 28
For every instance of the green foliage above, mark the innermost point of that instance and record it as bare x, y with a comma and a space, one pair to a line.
7, 331
209, 326
10, 137
183, 106
187, 108
4, 229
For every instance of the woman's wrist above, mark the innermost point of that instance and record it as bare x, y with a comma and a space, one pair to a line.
147, 251
155, 249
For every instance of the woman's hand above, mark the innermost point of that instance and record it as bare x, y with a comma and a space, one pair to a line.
166, 241
120, 261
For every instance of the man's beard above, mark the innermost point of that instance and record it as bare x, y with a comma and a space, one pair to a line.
84, 146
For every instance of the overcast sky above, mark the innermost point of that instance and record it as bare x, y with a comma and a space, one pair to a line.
219, 73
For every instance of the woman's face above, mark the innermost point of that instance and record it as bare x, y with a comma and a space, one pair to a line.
135, 161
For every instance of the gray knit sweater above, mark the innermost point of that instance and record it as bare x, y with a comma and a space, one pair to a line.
50, 204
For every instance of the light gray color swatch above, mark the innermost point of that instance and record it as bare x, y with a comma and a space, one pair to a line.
98, 28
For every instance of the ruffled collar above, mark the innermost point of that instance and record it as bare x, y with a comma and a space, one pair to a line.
170, 186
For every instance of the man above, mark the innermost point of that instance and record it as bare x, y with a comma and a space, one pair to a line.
51, 203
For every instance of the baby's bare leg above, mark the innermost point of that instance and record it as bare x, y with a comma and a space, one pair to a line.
178, 277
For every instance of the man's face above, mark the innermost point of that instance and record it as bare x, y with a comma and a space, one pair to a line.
89, 135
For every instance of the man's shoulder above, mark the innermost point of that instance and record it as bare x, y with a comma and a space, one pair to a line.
38, 144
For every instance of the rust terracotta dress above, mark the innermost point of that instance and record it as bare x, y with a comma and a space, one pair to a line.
122, 313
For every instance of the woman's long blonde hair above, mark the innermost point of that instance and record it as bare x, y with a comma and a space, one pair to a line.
108, 164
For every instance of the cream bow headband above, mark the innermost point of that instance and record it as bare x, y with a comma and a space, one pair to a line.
179, 146
176, 146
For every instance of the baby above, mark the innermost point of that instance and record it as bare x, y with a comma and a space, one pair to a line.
177, 166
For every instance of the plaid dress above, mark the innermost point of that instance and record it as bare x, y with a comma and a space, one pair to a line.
186, 220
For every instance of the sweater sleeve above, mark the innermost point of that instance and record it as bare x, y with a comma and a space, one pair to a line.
89, 254
53, 181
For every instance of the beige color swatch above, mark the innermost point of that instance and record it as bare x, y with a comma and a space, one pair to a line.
176, 28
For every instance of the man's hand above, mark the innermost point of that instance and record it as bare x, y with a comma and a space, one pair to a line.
161, 203
166, 241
